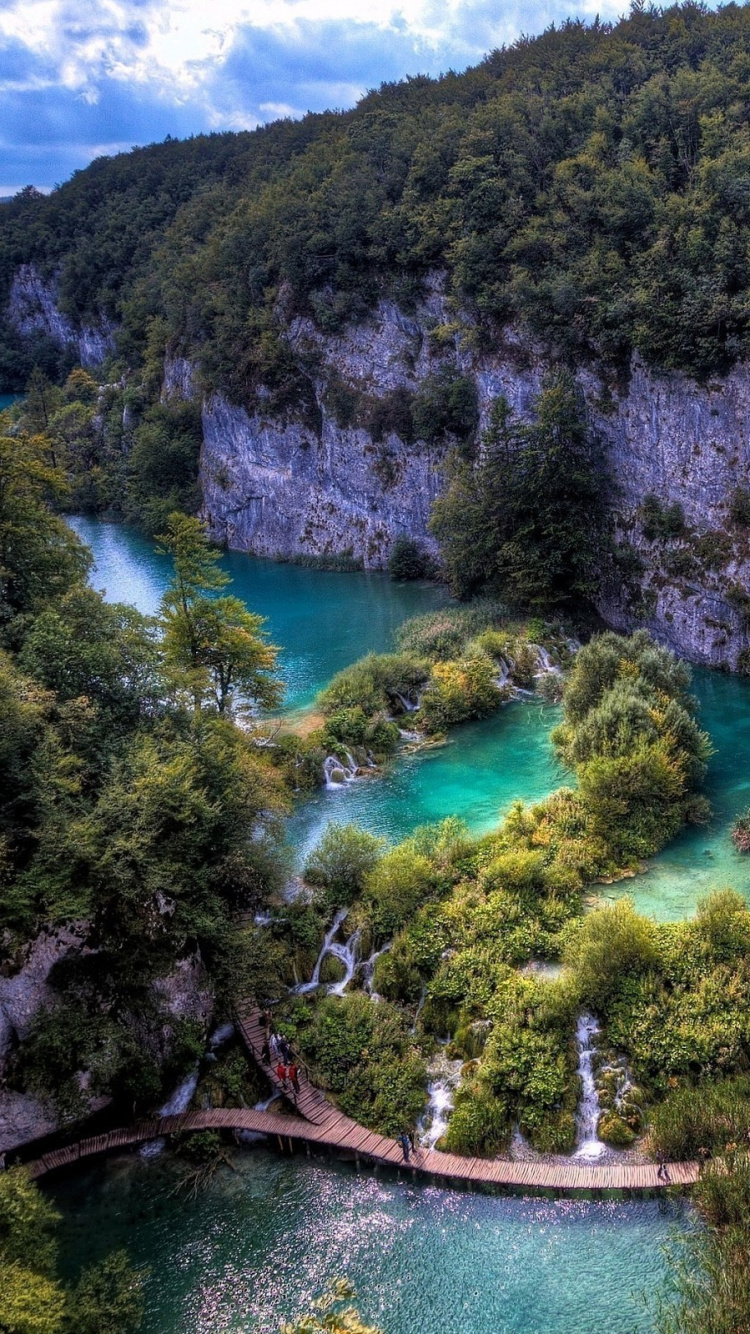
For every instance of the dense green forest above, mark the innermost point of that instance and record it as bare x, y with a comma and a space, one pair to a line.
591, 183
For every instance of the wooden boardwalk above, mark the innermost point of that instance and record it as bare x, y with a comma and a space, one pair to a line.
319, 1123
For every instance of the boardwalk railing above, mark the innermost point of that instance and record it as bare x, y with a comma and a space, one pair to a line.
320, 1123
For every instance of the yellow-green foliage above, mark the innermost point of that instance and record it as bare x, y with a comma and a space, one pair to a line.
33, 1299
457, 691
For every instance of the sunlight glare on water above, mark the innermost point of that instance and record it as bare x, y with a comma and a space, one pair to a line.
260, 1241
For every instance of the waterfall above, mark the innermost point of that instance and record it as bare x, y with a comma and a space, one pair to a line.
348, 954
368, 969
587, 1119
503, 674
420, 1007
445, 1077
303, 987
221, 1035
336, 772
174, 1106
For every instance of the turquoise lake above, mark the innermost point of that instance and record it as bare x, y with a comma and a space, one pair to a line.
261, 1240
325, 620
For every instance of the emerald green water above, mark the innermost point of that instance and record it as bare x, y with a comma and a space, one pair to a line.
321, 620
261, 1240
325, 620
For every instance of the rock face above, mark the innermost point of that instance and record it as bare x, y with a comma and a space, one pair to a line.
24, 1117
183, 995
290, 484
280, 487
33, 308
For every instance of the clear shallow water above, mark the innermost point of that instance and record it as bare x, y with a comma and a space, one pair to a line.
325, 620
476, 775
253, 1248
321, 620
704, 859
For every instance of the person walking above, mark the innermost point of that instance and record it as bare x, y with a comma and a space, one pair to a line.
293, 1073
281, 1075
405, 1145
285, 1049
265, 1052
663, 1172
273, 1043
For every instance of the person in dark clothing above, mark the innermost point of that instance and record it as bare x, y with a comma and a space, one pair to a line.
265, 1052
267, 1021
663, 1172
405, 1145
285, 1049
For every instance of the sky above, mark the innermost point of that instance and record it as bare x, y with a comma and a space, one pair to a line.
82, 78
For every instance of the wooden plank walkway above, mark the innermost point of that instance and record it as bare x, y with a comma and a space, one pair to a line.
321, 1123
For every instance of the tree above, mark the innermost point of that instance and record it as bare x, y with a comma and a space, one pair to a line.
40, 557
107, 1298
341, 861
525, 518
213, 646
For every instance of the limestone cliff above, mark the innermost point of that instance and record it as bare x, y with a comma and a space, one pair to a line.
298, 483
33, 308
278, 486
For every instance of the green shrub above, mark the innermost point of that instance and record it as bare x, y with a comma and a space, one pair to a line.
373, 684
457, 691
342, 861
610, 944
410, 560
479, 1126
695, 1120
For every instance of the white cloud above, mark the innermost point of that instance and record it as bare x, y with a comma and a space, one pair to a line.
78, 73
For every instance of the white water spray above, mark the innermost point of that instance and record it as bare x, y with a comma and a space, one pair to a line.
303, 987
445, 1077
589, 1111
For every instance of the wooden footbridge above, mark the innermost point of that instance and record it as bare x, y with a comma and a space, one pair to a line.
318, 1122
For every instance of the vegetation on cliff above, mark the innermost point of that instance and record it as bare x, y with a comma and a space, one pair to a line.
131, 801
587, 183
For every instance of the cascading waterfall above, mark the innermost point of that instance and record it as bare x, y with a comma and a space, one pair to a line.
589, 1110
336, 772
174, 1106
367, 967
347, 954
444, 1079
303, 987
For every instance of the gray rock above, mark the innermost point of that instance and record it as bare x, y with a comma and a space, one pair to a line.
33, 308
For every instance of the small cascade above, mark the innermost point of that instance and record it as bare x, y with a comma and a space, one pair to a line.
347, 954
221, 1035
303, 987
445, 1077
589, 1111
408, 705
174, 1106
545, 665
503, 675
337, 772
420, 1007
368, 969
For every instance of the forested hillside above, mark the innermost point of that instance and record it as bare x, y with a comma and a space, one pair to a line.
592, 184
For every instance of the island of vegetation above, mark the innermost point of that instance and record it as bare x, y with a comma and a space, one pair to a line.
590, 186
